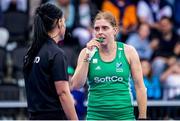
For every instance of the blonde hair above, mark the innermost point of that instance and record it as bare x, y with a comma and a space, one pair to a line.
108, 16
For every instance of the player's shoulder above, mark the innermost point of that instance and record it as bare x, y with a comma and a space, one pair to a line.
129, 48
130, 52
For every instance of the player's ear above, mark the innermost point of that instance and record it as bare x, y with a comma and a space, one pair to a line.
59, 23
116, 30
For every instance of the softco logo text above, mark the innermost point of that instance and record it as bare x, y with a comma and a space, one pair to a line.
108, 79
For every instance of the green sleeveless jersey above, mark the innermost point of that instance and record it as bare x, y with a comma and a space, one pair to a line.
109, 95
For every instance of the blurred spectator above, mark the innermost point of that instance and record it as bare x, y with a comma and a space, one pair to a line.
125, 13
14, 5
151, 11
68, 10
79, 96
86, 10
15, 20
98, 3
171, 80
33, 4
171, 83
1, 17
166, 41
177, 50
71, 54
171, 2
140, 41
82, 38
177, 15
4, 36
151, 82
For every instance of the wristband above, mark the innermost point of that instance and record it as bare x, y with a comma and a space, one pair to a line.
85, 60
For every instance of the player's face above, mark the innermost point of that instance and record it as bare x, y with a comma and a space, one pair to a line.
102, 28
166, 25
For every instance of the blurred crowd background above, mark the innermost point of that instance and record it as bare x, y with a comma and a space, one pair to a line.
151, 26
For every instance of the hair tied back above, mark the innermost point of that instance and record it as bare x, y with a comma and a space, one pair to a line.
38, 11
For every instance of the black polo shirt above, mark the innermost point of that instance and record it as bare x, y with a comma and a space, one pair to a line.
50, 65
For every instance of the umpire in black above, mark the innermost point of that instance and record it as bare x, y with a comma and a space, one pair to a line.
45, 68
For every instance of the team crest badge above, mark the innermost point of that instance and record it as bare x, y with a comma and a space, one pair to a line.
119, 67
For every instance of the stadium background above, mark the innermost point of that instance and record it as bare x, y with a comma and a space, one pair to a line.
151, 26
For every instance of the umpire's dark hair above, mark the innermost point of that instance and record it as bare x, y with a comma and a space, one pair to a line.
46, 18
